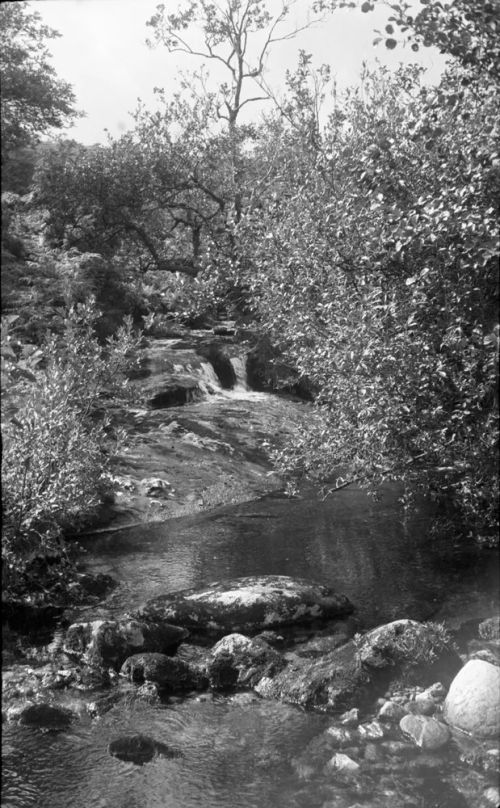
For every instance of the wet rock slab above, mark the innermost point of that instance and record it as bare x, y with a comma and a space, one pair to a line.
247, 605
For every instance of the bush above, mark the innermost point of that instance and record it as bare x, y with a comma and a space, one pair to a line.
56, 443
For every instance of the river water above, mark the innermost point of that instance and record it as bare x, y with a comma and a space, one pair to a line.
241, 751
389, 567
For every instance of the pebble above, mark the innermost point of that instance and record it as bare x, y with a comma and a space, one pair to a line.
427, 762
350, 718
426, 732
372, 731
492, 796
491, 761
342, 763
437, 691
397, 748
490, 629
372, 752
425, 705
339, 736
391, 711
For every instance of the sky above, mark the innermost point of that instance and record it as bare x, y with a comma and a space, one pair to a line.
102, 53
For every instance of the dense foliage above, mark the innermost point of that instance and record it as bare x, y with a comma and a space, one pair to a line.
383, 288
34, 99
56, 435
360, 244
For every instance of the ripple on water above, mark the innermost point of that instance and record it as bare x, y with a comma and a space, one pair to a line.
236, 752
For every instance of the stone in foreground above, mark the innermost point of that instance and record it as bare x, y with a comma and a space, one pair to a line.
109, 642
473, 700
247, 605
44, 716
167, 672
238, 661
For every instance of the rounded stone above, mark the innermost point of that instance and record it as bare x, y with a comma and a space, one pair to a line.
391, 711
473, 702
490, 629
342, 763
424, 705
491, 796
350, 718
373, 731
424, 731
340, 736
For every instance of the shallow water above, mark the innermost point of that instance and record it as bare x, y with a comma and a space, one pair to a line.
233, 755
388, 567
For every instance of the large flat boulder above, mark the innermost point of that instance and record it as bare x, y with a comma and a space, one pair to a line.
247, 605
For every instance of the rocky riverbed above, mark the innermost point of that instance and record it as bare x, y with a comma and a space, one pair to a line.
405, 706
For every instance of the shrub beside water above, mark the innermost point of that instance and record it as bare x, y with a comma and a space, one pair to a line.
56, 439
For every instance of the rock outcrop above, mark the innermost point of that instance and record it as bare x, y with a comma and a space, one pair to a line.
387, 656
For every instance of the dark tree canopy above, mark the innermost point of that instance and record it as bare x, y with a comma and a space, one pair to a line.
33, 98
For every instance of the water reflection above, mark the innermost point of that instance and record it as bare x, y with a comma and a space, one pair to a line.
388, 567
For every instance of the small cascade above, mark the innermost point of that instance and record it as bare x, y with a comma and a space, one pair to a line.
209, 381
239, 366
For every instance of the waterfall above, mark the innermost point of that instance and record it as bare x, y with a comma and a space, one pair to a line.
239, 367
209, 381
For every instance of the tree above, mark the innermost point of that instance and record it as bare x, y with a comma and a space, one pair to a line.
237, 35
467, 30
175, 186
33, 99
376, 273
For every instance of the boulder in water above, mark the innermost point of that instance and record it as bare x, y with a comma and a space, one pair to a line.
44, 716
167, 672
237, 660
247, 605
473, 702
140, 749
105, 643
363, 668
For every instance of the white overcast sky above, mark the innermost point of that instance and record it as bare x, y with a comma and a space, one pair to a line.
102, 53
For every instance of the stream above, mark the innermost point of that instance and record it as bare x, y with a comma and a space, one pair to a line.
240, 750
